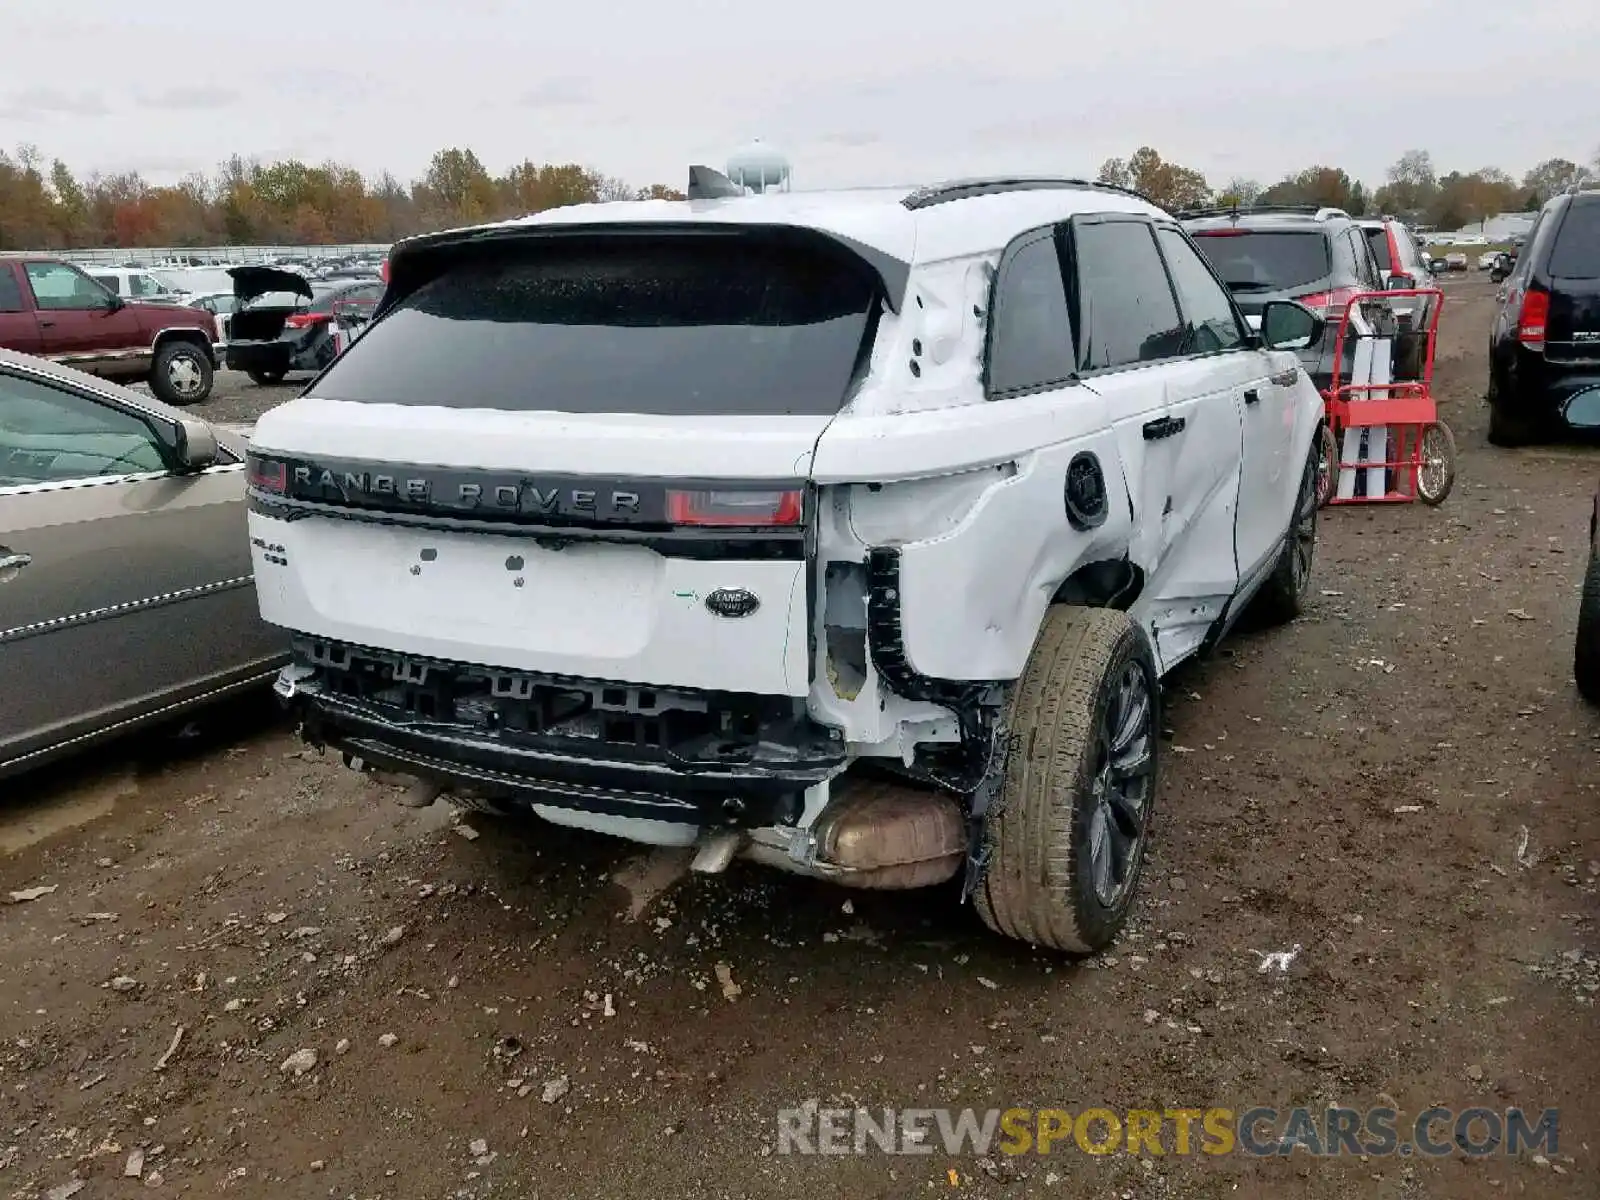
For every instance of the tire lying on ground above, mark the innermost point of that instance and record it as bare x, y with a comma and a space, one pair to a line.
1065, 838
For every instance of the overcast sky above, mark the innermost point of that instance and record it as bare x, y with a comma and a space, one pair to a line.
864, 91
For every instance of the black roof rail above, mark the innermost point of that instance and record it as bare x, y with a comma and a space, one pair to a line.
1249, 210
966, 189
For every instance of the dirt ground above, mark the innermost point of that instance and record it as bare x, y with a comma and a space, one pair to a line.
1401, 784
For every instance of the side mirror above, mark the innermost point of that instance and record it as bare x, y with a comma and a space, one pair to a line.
1286, 325
197, 445
114, 302
1401, 283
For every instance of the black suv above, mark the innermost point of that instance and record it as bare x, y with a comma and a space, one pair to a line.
1317, 256
1544, 346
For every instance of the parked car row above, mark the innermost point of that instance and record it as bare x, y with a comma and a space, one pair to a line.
652, 424
126, 325
821, 577
55, 310
1325, 259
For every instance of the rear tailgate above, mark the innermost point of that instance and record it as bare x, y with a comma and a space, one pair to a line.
1572, 331
582, 457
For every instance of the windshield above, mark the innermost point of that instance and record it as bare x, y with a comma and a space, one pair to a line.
1576, 253
1266, 261
675, 325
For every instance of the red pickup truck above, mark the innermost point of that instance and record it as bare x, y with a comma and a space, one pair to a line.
51, 309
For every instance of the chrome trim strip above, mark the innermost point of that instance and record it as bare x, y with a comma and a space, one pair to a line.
94, 735
57, 624
57, 485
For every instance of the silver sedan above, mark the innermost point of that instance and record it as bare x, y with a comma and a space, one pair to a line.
126, 592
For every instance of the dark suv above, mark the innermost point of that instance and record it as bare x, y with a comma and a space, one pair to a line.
1317, 256
1544, 346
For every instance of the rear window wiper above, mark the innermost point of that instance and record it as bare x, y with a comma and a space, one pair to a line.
1248, 286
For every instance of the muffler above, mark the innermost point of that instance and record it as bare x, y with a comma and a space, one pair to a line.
881, 835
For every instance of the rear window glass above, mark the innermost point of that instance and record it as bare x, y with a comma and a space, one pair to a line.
691, 325
1378, 239
1576, 253
1266, 261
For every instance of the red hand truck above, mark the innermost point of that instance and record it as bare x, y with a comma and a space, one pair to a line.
1417, 459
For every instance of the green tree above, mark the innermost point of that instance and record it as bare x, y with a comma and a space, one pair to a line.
1551, 176
1163, 183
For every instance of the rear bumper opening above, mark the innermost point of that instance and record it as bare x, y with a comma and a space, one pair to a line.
258, 356
712, 760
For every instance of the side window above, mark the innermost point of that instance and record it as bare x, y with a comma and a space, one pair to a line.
1366, 268
109, 282
1210, 323
1524, 265
1126, 311
10, 290
48, 434
1030, 343
141, 285
58, 286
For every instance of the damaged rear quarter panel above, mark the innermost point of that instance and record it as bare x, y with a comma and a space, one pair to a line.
981, 554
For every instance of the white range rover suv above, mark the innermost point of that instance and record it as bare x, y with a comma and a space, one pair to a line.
850, 532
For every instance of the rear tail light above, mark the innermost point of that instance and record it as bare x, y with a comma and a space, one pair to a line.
383, 271
735, 508
304, 320
265, 474
1330, 306
1532, 318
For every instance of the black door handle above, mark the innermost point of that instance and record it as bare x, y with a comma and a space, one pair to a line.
1163, 427
47, 324
1251, 396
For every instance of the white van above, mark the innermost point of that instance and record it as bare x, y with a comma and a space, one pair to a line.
137, 283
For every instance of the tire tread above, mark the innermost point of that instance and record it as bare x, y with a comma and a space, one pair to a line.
1027, 891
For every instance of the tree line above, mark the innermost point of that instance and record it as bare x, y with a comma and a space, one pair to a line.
1413, 189
45, 206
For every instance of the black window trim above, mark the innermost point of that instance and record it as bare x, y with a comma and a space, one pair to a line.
1013, 248
1079, 220
1247, 336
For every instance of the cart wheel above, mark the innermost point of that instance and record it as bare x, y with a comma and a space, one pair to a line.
1436, 474
1327, 466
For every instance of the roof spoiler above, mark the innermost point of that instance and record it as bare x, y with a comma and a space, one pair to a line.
706, 184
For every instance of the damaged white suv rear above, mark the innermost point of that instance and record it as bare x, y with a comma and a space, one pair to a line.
850, 532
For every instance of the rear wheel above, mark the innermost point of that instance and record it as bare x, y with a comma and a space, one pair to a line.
1282, 597
181, 374
1586, 656
266, 378
1436, 474
1327, 449
1066, 838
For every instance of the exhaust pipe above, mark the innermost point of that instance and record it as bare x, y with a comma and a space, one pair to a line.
880, 835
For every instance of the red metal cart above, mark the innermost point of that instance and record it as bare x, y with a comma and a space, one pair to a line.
1417, 460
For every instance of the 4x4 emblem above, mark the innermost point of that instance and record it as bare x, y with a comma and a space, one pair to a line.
732, 602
